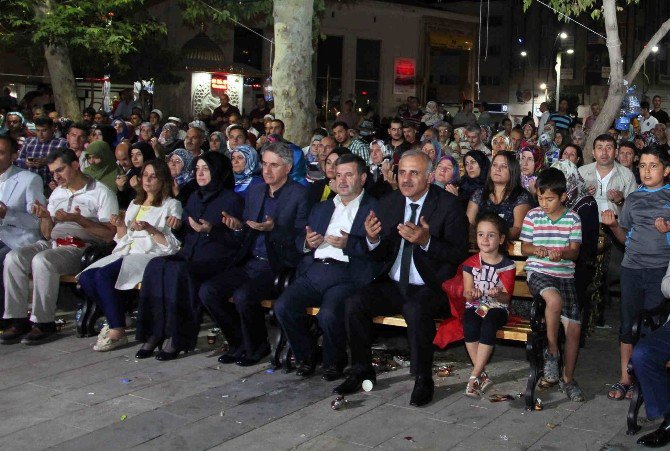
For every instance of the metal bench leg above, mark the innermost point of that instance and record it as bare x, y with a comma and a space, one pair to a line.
635, 404
278, 338
81, 324
535, 350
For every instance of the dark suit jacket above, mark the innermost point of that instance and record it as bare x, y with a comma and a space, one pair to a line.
448, 235
283, 243
362, 268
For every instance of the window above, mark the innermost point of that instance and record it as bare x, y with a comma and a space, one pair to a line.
329, 72
368, 53
247, 47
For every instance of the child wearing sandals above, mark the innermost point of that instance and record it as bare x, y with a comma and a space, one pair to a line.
643, 226
551, 236
488, 281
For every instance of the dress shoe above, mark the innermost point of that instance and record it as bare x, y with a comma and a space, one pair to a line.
331, 373
14, 333
229, 358
657, 439
164, 356
144, 353
424, 387
253, 359
40, 333
354, 382
306, 368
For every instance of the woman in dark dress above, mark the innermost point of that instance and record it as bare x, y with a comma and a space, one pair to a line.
169, 310
476, 165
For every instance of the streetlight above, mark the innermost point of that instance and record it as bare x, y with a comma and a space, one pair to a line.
654, 49
563, 35
570, 51
524, 53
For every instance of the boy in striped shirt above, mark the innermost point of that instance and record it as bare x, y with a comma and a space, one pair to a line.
551, 235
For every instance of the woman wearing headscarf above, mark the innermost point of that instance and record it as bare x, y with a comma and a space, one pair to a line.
477, 167
169, 308
529, 137
180, 163
500, 143
141, 235
449, 146
102, 164
447, 172
140, 153
312, 151
582, 203
104, 133
169, 140
146, 132
245, 167
380, 170
122, 131
432, 148
432, 115
217, 143
531, 162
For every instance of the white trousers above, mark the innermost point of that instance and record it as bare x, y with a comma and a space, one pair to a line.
46, 266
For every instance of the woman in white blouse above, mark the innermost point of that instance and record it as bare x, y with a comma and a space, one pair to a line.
144, 233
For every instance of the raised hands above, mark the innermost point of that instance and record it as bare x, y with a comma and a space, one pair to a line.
63, 216
373, 227
608, 218
201, 226
173, 222
265, 226
339, 242
231, 222
39, 210
312, 238
415, 233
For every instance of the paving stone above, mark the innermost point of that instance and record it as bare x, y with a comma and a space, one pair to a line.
42, 435
125, 434
326, 443
95, 417
569, 438
431, 435
190, 384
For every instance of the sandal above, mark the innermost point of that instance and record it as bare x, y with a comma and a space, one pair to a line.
572, 390
473, 390
621, 389
485, 382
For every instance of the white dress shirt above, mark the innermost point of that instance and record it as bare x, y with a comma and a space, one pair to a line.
342, 219
394, 273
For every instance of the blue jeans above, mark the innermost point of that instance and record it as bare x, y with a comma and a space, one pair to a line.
649, 358
98, 286
640, 290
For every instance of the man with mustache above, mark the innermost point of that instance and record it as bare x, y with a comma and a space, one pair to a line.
419, 233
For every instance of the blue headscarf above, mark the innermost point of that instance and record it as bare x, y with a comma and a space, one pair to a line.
124, 133
438, 149
186, 174
456, 172
250, 166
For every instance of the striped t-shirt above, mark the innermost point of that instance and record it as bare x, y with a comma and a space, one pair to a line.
539, 230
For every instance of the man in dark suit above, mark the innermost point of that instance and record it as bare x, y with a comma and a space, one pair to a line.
337, 263
420, 233
271, 231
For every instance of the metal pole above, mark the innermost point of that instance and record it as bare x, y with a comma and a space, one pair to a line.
558, 79
327, 92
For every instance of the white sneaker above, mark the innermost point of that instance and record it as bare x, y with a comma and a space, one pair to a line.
107, 344
103, 333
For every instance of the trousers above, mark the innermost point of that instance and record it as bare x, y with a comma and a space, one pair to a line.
98, 286
46, 266
649, 358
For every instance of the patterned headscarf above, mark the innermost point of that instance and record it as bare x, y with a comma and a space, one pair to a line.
438, 149
456, 169
575, 184
186, 174
250, 165
172, 134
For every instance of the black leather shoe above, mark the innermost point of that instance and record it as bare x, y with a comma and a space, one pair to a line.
165, 356
657, 439
40, 333
19, 328
254, 359
144, 353
424, 388
331, 373
354, 382
305, 369
229, 358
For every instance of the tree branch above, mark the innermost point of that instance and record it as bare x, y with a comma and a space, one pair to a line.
655, 39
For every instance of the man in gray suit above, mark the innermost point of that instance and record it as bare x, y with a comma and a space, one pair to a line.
19, 189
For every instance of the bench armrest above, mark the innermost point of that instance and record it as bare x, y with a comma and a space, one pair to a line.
282, 281
651, 319
95, 252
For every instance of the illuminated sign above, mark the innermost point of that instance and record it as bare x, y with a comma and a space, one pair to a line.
220, 83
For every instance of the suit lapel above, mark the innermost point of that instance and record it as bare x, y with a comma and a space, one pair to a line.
429, 205
324, 219
358, 226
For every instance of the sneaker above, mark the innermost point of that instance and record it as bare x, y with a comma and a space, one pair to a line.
473, 389
572, 390
485, 382
103, 332
107, 344
551, 371
39, 333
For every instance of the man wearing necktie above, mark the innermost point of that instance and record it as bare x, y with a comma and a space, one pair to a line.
420, 234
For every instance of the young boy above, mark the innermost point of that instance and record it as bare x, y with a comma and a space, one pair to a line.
551, 236
643, 226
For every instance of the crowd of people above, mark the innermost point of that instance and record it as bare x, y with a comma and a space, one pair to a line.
372, 222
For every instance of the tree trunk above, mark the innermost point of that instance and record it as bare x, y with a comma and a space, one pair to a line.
292, 81
62, 81
617, 88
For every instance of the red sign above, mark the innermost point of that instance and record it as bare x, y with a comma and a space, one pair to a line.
220, 83
404, 81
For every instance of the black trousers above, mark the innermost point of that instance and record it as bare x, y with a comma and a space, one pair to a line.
243, 321
419, 307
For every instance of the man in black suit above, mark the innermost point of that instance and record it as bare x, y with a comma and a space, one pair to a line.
421, 236
336, 264
274, 218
